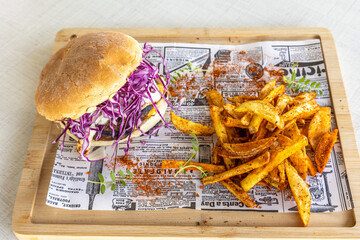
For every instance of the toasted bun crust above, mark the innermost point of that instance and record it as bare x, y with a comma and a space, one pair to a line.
85, 73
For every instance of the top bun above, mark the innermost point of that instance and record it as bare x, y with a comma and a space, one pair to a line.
85, 73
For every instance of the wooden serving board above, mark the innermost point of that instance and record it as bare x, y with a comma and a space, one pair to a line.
32, 219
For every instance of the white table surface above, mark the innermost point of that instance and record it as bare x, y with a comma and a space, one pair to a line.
28, 29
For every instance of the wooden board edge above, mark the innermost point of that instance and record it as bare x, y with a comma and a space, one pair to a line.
65, 231
343, 118
203, 32
30, 174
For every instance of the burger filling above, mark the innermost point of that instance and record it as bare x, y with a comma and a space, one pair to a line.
118, 116
107, 132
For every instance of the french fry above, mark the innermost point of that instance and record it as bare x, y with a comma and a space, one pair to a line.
292, 131
241, 98
189, 127
300, 121
220, 128
239, 193
215, 98
284, 140
299, 158
274, 175
302, 110
256, 120
261, 133
267, 179
230, 109
263, 109
281, 104
232, 133
233, 122
300, 192
246, 119
166, 164
305, 129
225, 154
304, 97
274, 94
229, 162
249, 149
281, 168
324, 148
295, 159
255, 124
279, 131
221, 132
302, 164
319, 125
243, 168
267, 89
214, 156
276, 158
310, 167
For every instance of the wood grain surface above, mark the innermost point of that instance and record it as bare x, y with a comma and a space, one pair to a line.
32, 219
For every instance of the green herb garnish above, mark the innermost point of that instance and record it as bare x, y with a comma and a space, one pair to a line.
195, 146
114, 180
189, 68
303, 85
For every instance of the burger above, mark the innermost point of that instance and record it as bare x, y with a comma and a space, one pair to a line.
101, 90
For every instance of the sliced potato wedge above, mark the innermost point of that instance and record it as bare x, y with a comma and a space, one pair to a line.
207, 167
256, 120
311, 167
215, 98
319, 125
302, 110
267, 89
264, 110
282, 102
233, 122
324, 148
241, 98
261, 133
249, 149
246, 119
220, 128
300, 192
189, 127
304, 97
215, 158
230, 109
239, 193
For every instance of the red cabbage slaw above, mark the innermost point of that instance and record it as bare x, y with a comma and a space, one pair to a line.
126, 105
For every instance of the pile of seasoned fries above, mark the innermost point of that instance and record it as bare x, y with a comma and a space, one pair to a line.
262, 140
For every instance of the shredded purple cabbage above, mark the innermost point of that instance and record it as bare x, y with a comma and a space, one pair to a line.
125, 106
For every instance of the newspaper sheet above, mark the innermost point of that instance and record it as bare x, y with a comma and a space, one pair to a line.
153, 188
